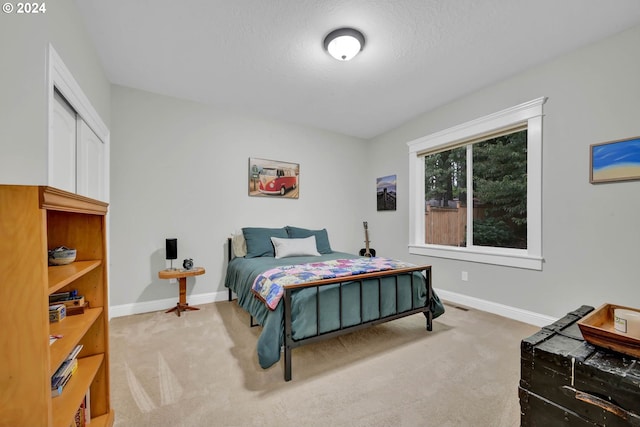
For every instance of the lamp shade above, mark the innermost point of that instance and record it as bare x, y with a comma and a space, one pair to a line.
172, 248
344, 43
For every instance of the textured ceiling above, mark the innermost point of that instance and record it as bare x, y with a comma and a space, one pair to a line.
266, 57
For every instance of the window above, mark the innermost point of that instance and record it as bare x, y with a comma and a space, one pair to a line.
497, 179
475, 190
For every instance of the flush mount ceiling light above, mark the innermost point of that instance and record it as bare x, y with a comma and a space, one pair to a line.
344, 43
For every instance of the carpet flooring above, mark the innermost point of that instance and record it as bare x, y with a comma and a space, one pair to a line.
201, 369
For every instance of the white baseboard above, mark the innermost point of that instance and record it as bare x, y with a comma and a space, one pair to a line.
471, 302
496, 308
164, 304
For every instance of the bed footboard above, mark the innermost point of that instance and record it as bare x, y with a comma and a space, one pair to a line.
290, 343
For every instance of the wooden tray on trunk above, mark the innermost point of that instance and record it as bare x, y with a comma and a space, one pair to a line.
598, 329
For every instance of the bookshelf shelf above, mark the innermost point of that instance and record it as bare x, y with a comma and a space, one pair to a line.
35, 219
72, 329
62, 275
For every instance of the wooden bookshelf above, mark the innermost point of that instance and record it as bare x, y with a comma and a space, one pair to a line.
34, 219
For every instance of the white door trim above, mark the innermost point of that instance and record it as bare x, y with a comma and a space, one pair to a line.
59, 76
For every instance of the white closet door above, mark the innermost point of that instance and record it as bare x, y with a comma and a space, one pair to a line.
63, 148
90, 163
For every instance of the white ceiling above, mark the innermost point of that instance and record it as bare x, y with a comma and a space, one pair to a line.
266, 57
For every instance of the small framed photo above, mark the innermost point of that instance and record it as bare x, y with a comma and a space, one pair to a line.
272, 178
615, 161
386, 193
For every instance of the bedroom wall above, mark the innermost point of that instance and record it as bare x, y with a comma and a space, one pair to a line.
591, 235
174, 165
180, 169
23, 108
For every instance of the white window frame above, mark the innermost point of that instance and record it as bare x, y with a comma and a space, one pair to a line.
529, 113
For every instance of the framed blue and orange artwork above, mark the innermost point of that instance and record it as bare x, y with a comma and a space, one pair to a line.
615, 161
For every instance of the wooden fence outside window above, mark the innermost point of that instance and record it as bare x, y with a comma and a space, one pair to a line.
448, 226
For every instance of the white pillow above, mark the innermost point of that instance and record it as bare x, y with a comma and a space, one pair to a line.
239, 245
295, 247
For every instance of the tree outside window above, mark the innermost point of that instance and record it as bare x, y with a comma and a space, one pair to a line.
497, 175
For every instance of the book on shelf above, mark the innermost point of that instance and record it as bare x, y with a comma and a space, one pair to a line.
83, 414
62, 381
64, 372
74, 352
79, 420
87, 407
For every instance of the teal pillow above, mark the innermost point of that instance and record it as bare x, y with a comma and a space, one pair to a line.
322, 237
259, 240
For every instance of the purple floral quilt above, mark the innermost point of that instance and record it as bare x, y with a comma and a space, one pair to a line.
269, 286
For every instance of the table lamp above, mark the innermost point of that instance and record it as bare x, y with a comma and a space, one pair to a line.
172, 250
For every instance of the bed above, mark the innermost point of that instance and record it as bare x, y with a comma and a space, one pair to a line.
348, 293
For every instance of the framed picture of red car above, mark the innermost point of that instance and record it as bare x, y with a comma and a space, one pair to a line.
273, 178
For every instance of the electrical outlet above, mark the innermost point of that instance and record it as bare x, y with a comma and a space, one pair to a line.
465, 276
173, 281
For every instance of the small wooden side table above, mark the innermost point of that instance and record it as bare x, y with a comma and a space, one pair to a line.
181, 275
